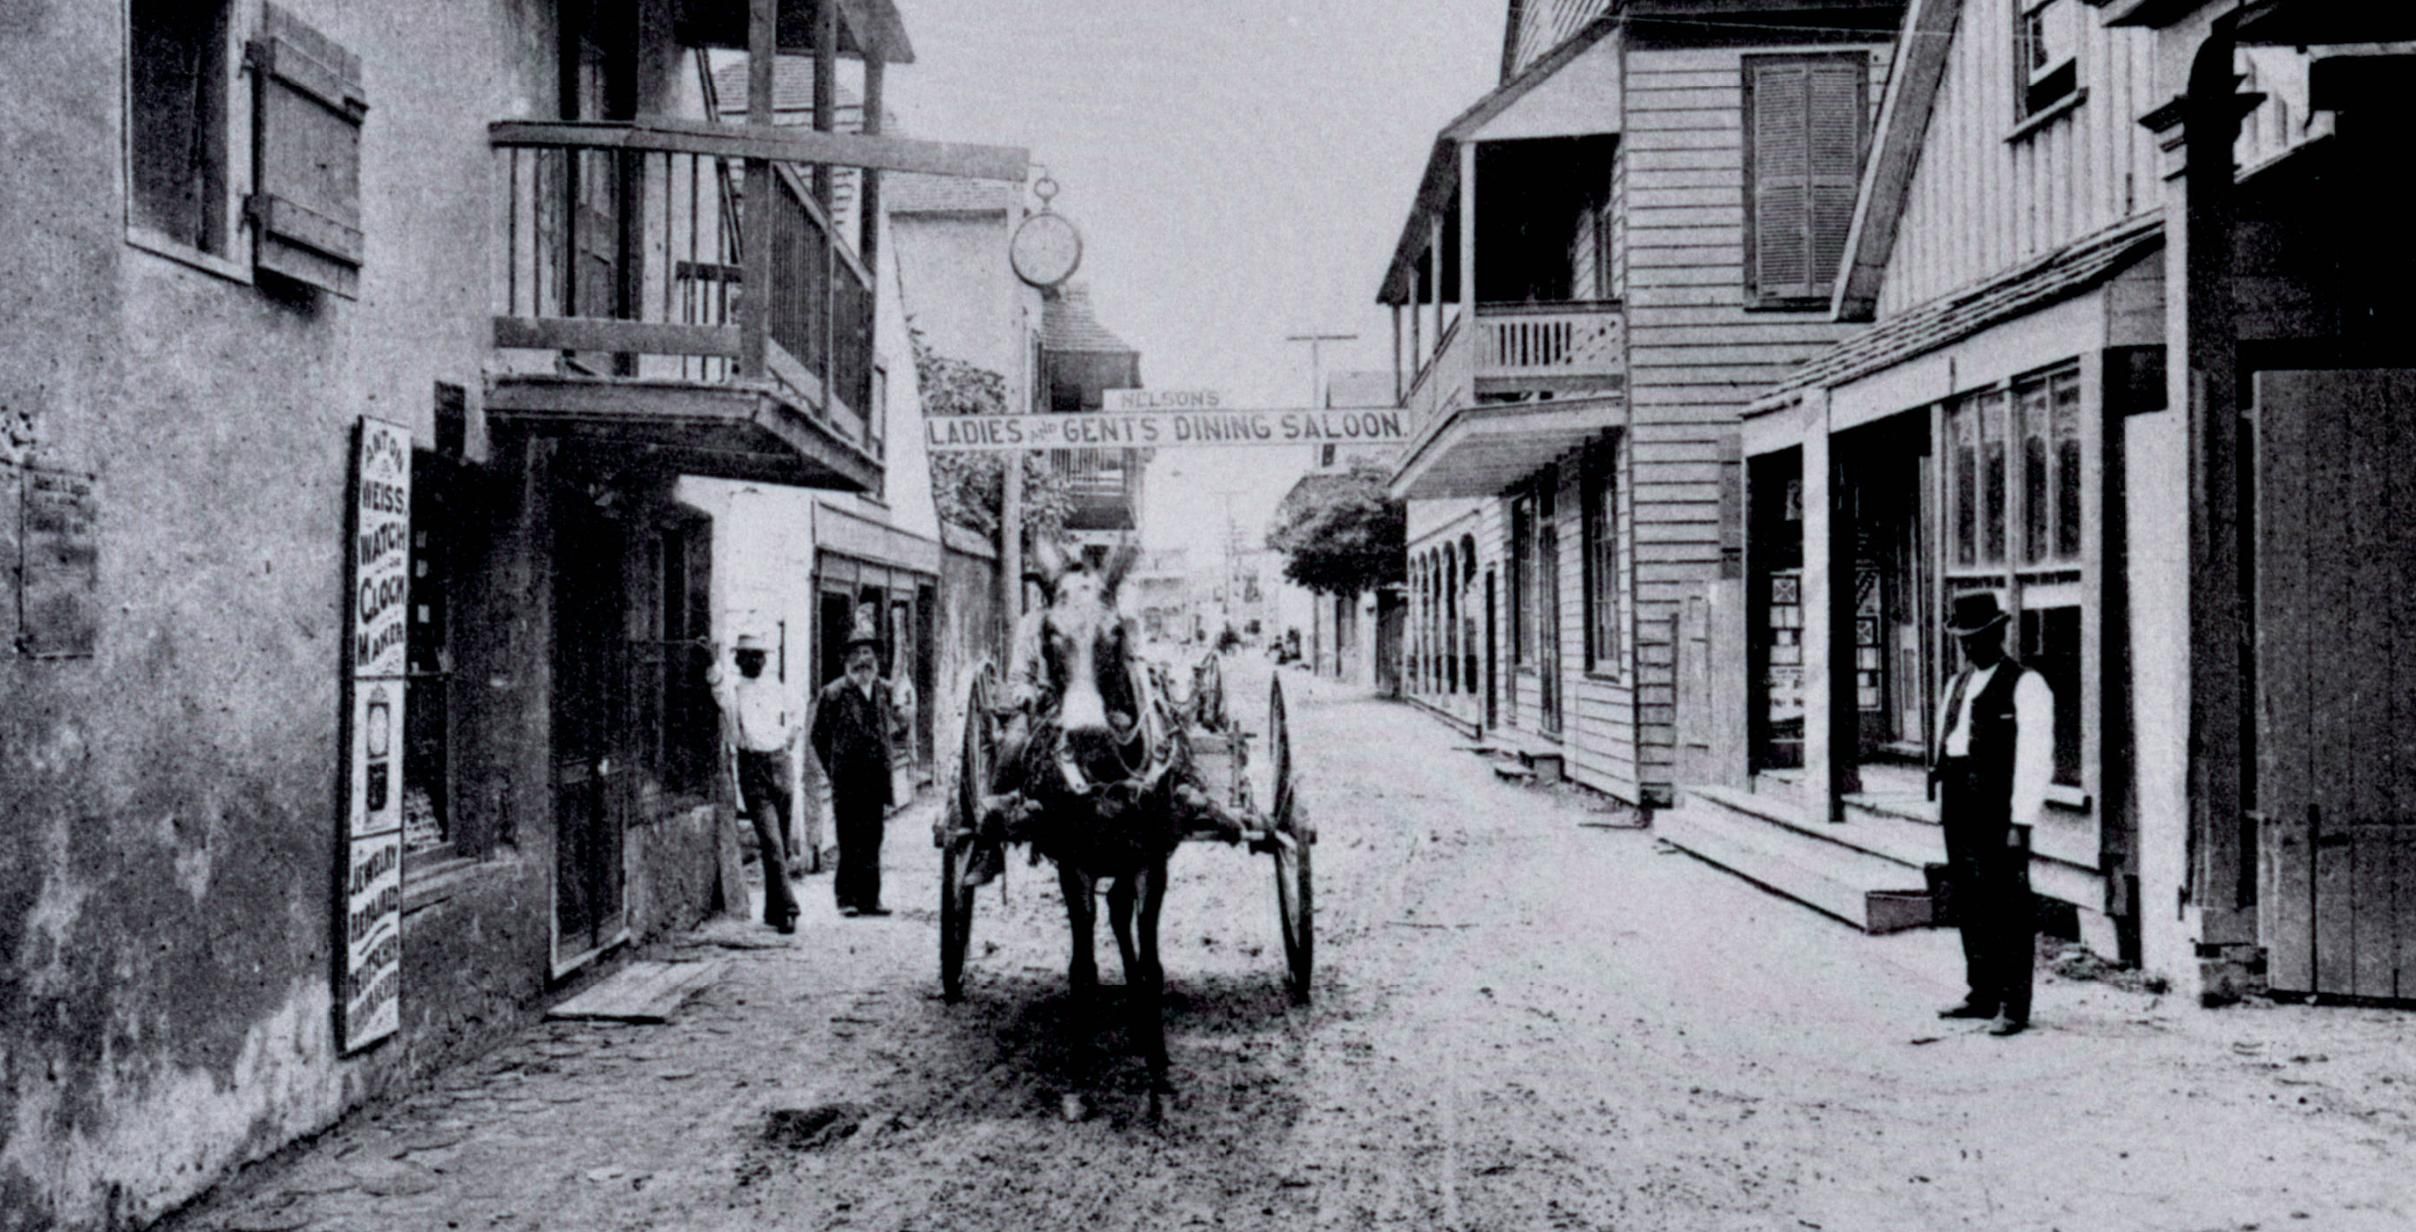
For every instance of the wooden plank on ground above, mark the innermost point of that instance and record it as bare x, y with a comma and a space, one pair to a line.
641, 992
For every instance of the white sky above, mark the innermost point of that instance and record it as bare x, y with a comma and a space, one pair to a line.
1239, 170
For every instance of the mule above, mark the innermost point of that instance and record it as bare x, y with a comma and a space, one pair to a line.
1101, 765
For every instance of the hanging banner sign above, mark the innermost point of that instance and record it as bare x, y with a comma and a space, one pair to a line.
1165, 428
369, 992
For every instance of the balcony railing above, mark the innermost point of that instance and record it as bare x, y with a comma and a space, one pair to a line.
1519, 348
625, 256
1103, 486
1548, 341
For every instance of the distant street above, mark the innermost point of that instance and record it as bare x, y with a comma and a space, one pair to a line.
1525, 1018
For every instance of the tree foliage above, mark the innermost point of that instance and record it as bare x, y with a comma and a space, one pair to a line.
968, 486
1342, 534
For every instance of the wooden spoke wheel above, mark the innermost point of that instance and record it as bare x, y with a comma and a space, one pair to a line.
959, 823
1295, 896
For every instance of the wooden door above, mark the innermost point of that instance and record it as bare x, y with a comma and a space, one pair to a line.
2334, 759
1547, 620
1493, 689
1693, 715
592, 749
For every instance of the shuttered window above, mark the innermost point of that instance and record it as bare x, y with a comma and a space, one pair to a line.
1805, 125
307, 200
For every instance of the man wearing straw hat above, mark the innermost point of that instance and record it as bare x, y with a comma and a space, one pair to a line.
759, 724
1996, 753
855, 723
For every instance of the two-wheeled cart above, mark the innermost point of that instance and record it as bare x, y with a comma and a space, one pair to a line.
1219, 755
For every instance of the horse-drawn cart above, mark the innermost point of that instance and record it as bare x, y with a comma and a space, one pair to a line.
1212, 801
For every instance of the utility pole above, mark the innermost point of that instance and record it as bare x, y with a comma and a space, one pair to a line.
1317, 361
1325, 453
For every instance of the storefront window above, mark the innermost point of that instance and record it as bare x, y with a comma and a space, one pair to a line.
2039, 417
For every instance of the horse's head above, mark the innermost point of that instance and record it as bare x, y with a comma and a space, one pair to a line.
1085, 645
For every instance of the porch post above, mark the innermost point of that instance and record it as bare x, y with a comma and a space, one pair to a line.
826, 88
1398, 391
756, 259
868, 196
2196, 130
1818, 609
1434, 266
1466, 257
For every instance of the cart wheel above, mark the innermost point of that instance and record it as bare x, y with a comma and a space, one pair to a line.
956, 842
1295, 892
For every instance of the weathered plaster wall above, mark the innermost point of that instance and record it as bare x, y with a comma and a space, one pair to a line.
165, 891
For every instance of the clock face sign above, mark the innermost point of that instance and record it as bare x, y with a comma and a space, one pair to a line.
1046, 250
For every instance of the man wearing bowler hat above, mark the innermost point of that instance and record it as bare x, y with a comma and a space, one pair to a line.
1995, 754
760, 725
856, 722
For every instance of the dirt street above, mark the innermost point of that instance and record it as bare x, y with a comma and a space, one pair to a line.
1522, 1021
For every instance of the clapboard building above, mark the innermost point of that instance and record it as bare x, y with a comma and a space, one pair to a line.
1605, 258
2129, 367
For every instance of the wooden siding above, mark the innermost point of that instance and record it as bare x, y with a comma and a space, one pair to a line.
1984, 199
1695, 357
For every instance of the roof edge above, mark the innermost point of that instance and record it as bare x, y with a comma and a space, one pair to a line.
1919, 68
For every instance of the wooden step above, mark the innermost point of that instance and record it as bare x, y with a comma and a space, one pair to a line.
1833, 878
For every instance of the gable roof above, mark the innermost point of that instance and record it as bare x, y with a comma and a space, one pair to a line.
1068, 323
1887, 176
2058, 275
1442, 177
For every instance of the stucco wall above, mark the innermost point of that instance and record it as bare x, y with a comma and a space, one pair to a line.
166, 918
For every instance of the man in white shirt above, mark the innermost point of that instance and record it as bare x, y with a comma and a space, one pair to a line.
759, 724
1996, 753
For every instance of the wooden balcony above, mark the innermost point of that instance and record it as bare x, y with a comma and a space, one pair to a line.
1509, 392
1103, 487
624, 315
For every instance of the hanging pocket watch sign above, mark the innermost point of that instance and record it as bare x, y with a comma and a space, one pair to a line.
369, 992
1045, 249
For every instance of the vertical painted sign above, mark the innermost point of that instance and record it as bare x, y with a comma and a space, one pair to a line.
369, 996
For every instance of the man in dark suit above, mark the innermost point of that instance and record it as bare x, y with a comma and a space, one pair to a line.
855, 724
1996, 753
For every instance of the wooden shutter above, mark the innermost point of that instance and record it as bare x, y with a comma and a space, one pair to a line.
1836, 108
1807, 117
306, 200
1779, 260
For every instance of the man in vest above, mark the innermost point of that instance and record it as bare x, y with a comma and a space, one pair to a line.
856, 722
1996, 753
760, 727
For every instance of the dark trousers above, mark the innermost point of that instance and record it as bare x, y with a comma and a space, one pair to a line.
763, 790
1990, 862
858, 813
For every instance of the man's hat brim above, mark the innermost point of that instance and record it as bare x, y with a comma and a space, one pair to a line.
1984, 626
